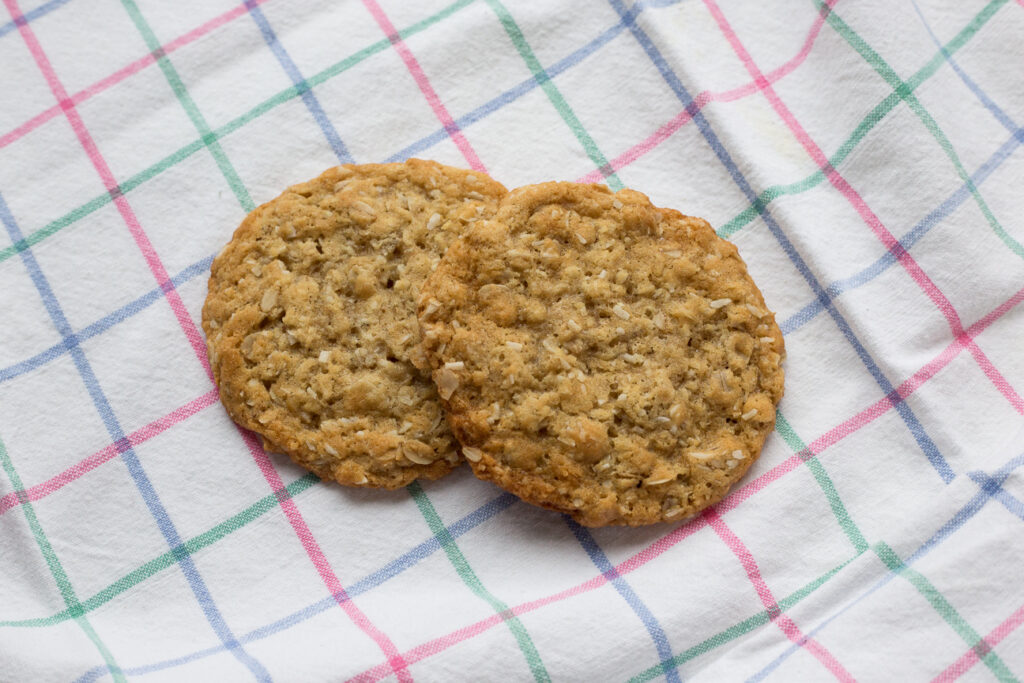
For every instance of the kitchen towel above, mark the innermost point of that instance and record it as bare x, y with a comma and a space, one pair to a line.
863, 155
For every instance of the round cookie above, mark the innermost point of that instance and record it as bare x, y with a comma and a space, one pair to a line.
602, 357
311, 319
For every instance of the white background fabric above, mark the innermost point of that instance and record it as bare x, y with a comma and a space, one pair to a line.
879, 536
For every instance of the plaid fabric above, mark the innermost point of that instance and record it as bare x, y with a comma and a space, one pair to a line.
863, 156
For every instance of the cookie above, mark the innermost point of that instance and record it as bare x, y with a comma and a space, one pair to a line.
602, 357
310, 319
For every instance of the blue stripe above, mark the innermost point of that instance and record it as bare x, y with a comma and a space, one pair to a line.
823, 301
474, 519
530, 84
103, 324
924, 441
131, 460
834, 290
91, 675
793, 323
995, 490
301, 85
990, 485
390, 570
32, 15
802, 317
425, 143
431, 545
600, 560
1000, 115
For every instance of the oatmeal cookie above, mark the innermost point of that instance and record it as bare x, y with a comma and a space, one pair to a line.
602, 357
310, 319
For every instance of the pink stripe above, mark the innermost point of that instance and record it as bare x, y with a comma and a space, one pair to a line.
100, 164
866, 214
40, 491
125, 72
787, 625
731, 502
970, 658
323, 566
431, 648
164, 423
437, 645
791, 463
1000, 382
705, 97
28, 126
188, 326
915, 381
997, 313
976, 329
424, 84
640, 149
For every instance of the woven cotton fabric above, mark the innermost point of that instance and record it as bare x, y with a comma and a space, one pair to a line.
864, 156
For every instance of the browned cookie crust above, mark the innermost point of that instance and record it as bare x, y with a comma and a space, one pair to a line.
310, 319
600, 356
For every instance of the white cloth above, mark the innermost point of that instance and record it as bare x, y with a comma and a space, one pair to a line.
879, 536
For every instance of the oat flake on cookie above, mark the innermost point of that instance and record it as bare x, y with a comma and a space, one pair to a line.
310, 319
602, 357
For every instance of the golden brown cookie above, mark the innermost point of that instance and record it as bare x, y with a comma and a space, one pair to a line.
600, 356
310, 319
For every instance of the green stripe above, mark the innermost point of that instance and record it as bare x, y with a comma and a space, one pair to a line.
737, 630
842, 516
880, 111
186, 101
737, 223
824, 481
168, 559
906, 92
891, 560
56, 226
188, 150
544, 80
67, 592
470, 578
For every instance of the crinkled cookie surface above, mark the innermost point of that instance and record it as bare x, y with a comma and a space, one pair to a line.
311, 326
602, 357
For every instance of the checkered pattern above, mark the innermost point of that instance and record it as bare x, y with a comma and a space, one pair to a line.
864, 157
